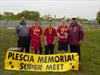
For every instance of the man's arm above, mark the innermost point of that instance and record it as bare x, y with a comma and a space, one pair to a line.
17, 32
55, 34
81, 34
45, 41
58, 34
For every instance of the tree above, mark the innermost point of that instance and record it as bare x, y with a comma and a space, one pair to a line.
24, 13
29, 15
34, 14
68, 20
9, 16
1, 17
98, 17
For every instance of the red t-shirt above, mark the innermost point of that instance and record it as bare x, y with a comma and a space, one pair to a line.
63, 31
35, 32
50, 35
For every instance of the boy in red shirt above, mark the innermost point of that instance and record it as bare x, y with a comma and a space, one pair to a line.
62, 33
35, 32
50, 34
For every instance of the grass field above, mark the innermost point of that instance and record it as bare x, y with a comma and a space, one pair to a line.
90, 51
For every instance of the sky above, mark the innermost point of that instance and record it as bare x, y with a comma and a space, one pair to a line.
68, 8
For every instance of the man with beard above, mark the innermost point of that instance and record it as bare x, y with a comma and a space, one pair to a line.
23, 38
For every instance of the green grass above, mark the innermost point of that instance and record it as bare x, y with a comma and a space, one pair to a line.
90, 54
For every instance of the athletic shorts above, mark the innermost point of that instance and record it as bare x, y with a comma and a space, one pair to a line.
62, 46
35, 44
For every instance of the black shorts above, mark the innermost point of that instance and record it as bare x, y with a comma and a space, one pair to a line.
49, 49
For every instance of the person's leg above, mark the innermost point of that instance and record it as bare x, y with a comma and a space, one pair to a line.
22, 44
29, 39
35, 51
27, 44
18, 43
72, 48
51, 49
78, 51
40, 49
59, 47
37, 46
46, 49
65, 46
33, 46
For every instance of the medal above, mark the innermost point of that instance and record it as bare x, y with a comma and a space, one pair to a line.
62, 29
50, 30
35, 30
75, 29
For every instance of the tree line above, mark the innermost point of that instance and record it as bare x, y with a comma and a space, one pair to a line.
30, 15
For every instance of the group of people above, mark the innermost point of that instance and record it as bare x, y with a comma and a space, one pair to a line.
71, 35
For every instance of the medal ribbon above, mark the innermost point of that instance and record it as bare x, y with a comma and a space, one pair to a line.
50, 30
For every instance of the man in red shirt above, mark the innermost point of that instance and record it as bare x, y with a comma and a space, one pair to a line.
35, 32
62, 33
50, 34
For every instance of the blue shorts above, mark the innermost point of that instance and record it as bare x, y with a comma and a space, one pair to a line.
62, 46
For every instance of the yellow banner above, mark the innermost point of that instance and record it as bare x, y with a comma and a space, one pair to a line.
34, 62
